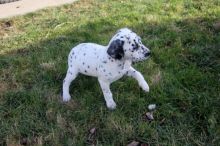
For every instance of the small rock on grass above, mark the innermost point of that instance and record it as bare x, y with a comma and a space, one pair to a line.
152, 107
149, 115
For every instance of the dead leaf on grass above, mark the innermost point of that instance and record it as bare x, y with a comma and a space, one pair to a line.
137, 143
91, 139
149, 116
133, 143
24, 141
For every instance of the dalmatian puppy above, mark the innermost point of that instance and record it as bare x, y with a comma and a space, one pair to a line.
107, 63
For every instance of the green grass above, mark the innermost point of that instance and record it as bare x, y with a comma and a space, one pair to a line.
183, 75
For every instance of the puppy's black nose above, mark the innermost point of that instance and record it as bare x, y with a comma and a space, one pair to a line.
147, 54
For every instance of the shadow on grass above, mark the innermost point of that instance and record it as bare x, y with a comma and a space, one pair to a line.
186, 53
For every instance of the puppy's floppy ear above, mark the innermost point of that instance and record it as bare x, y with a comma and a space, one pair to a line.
115, 49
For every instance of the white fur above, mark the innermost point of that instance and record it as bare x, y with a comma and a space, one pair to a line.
93, 60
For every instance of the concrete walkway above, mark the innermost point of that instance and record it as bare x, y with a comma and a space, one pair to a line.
26, 6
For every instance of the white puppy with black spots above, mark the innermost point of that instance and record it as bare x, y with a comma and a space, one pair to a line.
107, 63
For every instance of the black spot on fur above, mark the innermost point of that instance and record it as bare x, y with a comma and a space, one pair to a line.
104, 70
135, 46
105, 61
96, 68
115, 49
85, 70
83, 63
88, 66
84, 54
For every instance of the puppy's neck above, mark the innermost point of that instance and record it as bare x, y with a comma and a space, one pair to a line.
127, 64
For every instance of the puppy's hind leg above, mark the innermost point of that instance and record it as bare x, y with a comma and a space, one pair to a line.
70, 76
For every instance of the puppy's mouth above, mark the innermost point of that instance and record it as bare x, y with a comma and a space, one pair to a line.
136, 60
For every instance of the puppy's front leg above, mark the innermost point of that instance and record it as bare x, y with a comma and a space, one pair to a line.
107, 94
139, 77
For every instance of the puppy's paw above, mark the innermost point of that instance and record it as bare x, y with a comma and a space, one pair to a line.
111, 105
145, 86
66, 98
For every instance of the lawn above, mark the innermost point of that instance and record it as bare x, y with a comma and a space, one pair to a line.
183, 73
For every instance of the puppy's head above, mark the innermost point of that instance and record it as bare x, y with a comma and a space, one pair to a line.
127, 44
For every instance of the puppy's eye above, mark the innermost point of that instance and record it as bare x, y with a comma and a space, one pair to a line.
135, 46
